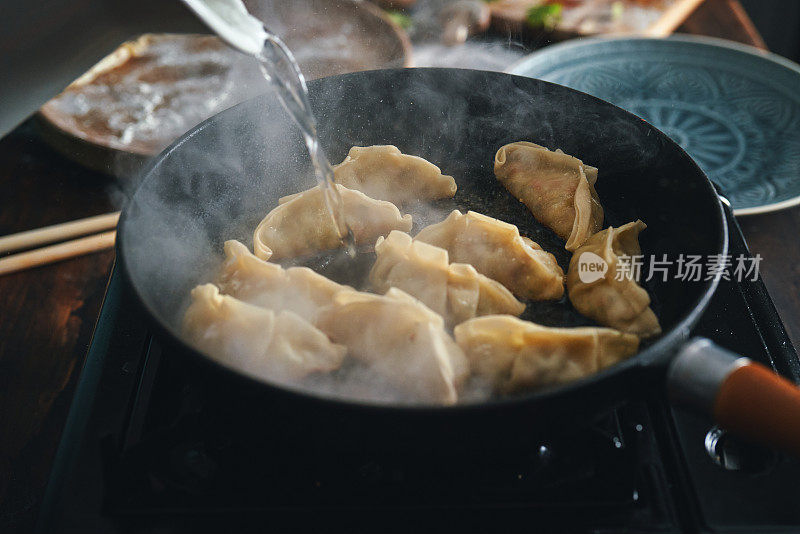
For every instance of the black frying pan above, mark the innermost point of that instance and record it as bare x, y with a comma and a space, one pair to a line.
220, 179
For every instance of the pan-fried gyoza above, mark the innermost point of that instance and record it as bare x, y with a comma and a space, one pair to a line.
456, 291
615, 299
401, 339
301, 223
557, 188
496, 250
384, 173
431, 328
277, 346
266, 284
513, 354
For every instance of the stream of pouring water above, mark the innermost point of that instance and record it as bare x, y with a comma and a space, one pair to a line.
279, 67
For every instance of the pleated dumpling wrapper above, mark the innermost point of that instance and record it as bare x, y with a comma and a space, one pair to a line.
268, 285
400, 339
557, 188
456, 291
513, 355
614, 298
276, 346
385, 173
496, 250
301, 224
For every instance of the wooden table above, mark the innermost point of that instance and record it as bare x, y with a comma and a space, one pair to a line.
47, 315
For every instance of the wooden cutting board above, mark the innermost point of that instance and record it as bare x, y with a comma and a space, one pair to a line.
148, 92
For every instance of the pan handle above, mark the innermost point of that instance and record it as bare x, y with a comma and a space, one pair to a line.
744, 397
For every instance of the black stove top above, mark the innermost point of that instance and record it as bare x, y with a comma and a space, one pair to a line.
148, 448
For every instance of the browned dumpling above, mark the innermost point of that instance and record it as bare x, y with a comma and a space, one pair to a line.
277, 346
301, 224
512, 354
384, 173
615, 299
455, 291
401, 339
268, 285
496, 250
557, 188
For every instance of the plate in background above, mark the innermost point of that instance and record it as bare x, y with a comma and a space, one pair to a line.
148, 92
734, 108
653, 18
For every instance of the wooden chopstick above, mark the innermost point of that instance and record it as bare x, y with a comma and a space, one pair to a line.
58, 232
55, 253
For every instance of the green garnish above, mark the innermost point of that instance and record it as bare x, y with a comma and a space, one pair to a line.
545, 16
401, 19
617, 10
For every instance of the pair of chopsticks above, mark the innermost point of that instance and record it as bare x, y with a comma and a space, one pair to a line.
53, 234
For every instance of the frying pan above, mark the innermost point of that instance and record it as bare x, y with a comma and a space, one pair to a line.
220, 179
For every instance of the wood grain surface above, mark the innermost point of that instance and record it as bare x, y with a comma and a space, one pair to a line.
775, 237
725, 19
47, 314
46, 317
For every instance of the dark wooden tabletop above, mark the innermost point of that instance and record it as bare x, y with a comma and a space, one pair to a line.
47, 314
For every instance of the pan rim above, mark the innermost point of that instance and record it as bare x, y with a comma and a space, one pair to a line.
658, 354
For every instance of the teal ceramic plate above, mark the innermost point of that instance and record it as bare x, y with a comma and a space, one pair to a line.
735, 109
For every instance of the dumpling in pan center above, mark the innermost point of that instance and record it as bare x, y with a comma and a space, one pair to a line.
496, 250
269, 285
400, 339
301, 224
277, 346
557, 188
455, 291
385, 173
513, 354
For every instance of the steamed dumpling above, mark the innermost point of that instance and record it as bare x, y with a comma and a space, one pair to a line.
385, 173
400, 339
455, 291
301, 224
557, 188
512, 354
255, 281
496, 250
618, 303
277, 346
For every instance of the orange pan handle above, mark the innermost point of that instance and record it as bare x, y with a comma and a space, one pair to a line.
744, 397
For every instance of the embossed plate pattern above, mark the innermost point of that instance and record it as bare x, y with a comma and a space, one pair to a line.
735, 109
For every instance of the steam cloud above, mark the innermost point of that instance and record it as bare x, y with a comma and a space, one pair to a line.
224, 177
